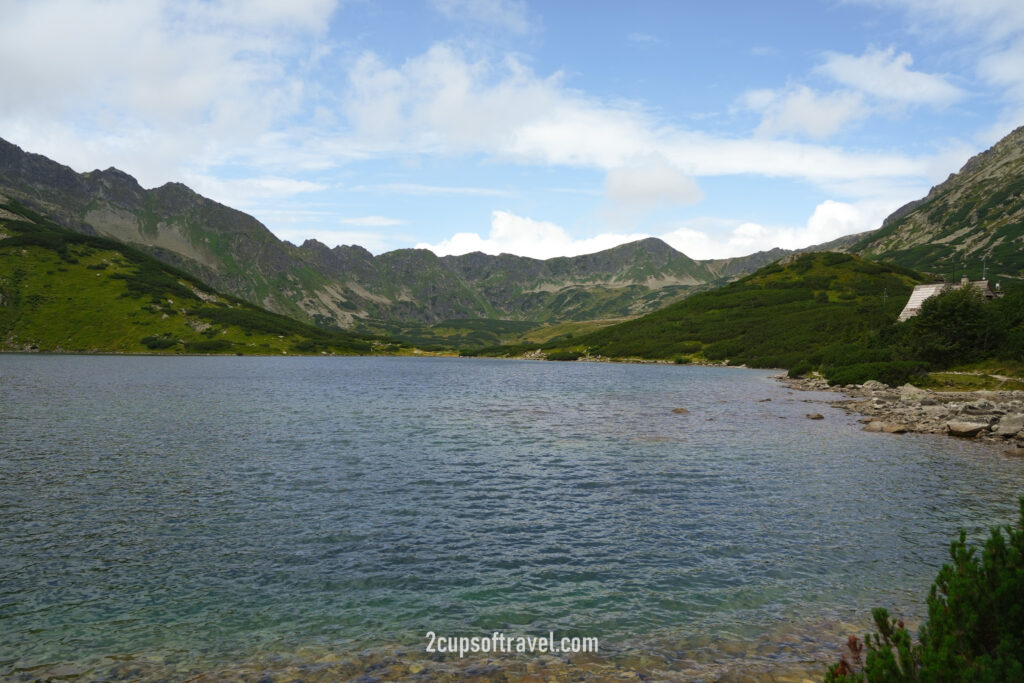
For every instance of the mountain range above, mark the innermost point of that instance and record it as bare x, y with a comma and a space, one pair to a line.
347, 286
973, 221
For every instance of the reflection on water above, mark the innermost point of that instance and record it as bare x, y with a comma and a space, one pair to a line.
190, 514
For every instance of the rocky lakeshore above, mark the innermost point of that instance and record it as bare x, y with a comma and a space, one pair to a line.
992, 416
793, 656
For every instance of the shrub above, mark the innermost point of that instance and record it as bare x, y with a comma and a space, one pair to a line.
564, 355
164, 341
208, 346
893, 373
975, 626
800, 369
954, 327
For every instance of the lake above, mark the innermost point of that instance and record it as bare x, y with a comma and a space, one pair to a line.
167, 516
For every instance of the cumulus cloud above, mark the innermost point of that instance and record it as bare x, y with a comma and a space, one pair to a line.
700, 239
887, 76
995, 18
512, 234
705, 239
866, 82
1005, 69
650, 185
167, 81
803, 111
443, 103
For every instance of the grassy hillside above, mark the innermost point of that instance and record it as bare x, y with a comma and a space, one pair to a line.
64, 291
830, 312
777, 317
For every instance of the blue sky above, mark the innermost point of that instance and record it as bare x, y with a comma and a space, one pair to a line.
536, 128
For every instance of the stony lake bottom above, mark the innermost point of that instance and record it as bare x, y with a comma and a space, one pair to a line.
168, 517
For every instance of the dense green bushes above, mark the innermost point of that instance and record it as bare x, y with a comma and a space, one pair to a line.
565, 355
208, 346
155, 342
975, 626
957, 326
893, 373
828, 312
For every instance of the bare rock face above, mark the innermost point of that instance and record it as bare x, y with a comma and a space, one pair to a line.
965, 429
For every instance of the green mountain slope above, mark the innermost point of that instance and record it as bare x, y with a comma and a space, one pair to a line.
974, 221
777, 317
65, 291
346, 286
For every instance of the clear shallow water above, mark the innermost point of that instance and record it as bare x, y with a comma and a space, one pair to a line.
212, 508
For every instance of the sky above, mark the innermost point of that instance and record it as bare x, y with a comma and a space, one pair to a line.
515, 126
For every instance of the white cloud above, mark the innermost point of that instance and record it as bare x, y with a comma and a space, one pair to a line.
995, 18
887, 76
698, 239
243, 192
830, 220
507, 14
1005, 69
441, 103
169, 84
802, 111
652, 184
371, 221
512, 234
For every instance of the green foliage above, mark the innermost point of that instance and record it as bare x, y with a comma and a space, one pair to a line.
208, 346
893, 373
776, 317
565, 355
957, 326
800, 369
975, 626
162, 341
829, 312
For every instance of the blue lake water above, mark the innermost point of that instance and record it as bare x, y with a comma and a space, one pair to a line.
210, 509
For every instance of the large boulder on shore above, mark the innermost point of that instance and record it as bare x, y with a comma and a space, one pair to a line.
966, 429
911, 394
874, 385
1009, 425
977, 408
